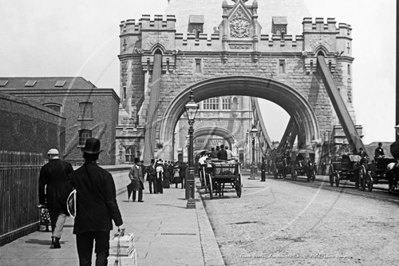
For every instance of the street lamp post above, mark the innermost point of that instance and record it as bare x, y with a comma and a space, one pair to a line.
253, 132
191, 110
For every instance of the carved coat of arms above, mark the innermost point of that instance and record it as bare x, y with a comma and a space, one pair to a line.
239, 26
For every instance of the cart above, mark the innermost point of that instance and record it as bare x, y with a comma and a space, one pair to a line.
381, 173
302, 164
350, 167
219, 173
281, 167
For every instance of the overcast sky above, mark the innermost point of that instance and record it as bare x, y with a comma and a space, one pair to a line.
81, 38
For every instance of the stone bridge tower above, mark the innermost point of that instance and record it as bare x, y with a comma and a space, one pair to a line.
219, 49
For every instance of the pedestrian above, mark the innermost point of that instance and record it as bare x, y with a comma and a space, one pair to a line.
137, 181
222, 155
53, 181
379, 151
229, 153
176, 174
159, 176
182, 172
96, 206
151, 177
171, 168
166, 175
263, 168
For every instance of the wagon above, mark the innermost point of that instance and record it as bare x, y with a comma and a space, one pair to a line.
350, 167
281, 167
303, 167
380, 172
219, 173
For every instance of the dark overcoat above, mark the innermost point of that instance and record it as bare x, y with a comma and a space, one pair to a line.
137, 178
152, 173
53, 174
96, 204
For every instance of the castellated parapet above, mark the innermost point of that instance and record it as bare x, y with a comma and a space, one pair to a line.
237, 46
145, 36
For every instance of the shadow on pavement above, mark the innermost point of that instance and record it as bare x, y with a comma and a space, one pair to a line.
40, 242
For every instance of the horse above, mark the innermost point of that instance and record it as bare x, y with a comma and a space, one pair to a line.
393, 175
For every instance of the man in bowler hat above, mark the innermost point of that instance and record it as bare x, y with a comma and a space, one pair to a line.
96, 206
136, 176
152, 176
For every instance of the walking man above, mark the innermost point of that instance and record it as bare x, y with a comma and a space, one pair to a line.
151, 177
263, 170
52, 180
136, 176
96, 206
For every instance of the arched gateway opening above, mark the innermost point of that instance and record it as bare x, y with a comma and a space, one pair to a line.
285, 96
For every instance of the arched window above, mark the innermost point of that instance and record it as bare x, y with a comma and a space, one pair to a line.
130, 152
54, 106
234, 105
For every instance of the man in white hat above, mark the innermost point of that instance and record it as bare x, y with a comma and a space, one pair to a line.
52, 183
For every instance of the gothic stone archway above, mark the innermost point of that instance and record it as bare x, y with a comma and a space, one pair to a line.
285, 96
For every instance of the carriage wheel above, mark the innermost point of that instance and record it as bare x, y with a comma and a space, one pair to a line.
238, 186
369, 182
337, 179
331, 179
294, 174
210, 187
362, 179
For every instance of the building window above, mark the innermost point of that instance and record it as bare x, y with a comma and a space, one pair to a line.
281, 66
234, 106
198, 67
54, 106
349, 69
129, 154
84, 134
211, 104
124, 93
86, 110
226, 103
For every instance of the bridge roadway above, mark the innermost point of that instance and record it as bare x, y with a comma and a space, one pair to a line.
285, 222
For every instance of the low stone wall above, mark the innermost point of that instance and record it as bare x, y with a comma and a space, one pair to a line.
120, 173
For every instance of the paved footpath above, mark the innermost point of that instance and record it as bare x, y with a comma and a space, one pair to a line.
165, 232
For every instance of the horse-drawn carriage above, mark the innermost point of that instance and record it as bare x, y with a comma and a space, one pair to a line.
302, 164
218, 173
382, 171
281, 168
352, 168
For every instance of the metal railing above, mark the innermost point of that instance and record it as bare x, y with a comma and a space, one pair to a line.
19, 172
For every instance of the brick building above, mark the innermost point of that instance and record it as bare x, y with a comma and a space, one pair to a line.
89, 111
27, 126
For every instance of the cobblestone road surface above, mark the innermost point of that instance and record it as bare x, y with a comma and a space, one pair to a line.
282, 222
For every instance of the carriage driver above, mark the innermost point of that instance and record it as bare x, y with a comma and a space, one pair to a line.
379, 151
202, 163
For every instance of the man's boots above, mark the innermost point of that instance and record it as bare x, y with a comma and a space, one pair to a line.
55, 242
